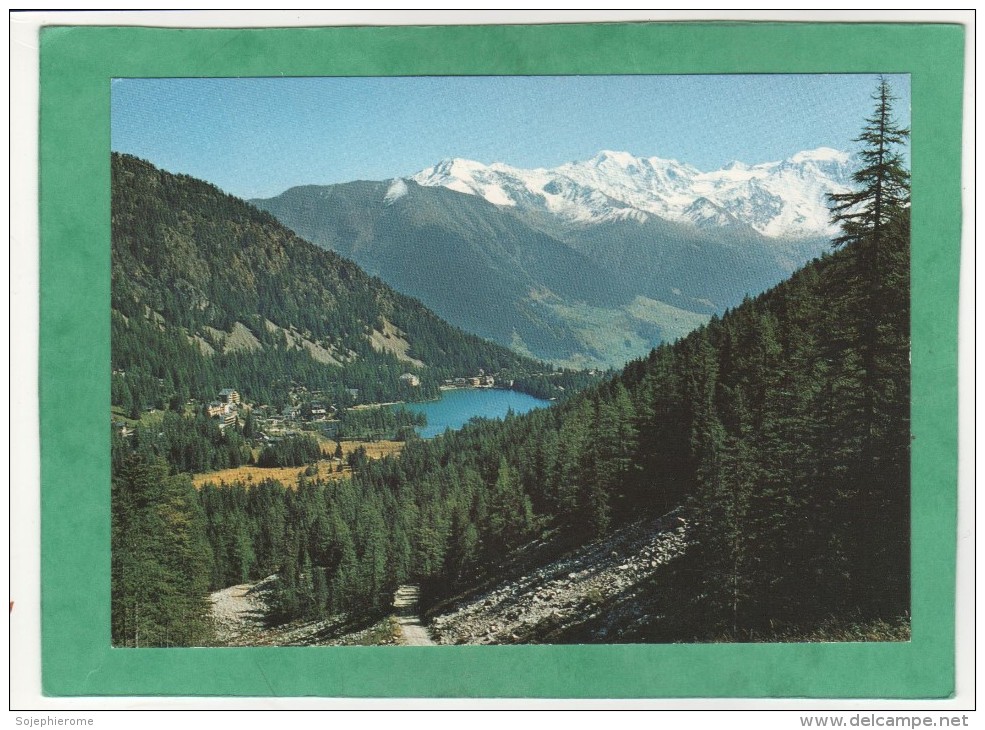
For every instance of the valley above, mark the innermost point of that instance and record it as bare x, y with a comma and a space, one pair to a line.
590, 264
620, 400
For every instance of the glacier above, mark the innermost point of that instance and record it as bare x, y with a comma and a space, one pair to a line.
779, 199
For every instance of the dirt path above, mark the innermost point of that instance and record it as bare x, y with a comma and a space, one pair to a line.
405, 606
240, 616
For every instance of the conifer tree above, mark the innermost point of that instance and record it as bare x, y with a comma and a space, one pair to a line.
511, 514
874, 221
883, 181
161, 558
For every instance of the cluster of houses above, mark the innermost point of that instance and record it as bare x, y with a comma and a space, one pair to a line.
306, 407
476, 381
271, 423
225, 408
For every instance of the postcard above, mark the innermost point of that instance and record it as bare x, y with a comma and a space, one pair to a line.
596, 361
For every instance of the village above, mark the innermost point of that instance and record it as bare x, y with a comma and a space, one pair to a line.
477, 381
310, 413
308, 410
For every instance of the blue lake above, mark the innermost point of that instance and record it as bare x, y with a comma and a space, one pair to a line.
456, 407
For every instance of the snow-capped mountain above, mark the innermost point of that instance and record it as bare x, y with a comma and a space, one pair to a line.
588, 264
783, 199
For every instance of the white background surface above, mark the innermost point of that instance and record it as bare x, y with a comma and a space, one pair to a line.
26, 700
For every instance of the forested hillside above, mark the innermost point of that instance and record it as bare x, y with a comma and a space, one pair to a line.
208, 292
791, 460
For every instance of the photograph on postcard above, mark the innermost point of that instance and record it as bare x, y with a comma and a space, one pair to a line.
442, 360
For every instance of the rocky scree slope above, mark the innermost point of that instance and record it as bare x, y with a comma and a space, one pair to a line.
595, 591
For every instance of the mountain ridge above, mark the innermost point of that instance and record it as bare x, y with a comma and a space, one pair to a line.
209, 291
487, 273
779, 199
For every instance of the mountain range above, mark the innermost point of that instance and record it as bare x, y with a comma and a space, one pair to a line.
587, 264
783, 199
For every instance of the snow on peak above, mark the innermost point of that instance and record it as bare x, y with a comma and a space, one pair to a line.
463, 176
703, 213
459, 165
397, 190
780, 199
821, 154
622, 159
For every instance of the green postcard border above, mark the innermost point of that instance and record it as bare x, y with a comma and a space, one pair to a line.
77, 64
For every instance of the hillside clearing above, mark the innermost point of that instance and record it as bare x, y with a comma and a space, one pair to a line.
288, 475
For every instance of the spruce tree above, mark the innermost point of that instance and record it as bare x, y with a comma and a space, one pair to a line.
874, 221
883, 181
160, 558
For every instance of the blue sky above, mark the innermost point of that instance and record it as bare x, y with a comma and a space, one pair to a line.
257, 137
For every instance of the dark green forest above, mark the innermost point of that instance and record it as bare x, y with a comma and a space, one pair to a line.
780, 430
380, 423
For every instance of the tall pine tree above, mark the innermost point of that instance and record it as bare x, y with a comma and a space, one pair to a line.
883, 193
874, 221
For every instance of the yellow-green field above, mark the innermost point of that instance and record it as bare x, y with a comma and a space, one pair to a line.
288, 476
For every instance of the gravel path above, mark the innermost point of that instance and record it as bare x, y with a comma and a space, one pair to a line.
405, 606
599, 583
239, 614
